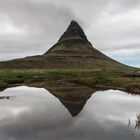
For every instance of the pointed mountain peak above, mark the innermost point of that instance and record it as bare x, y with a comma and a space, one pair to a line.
74, 25
74, 31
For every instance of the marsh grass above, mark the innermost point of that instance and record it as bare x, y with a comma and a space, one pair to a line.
106, 77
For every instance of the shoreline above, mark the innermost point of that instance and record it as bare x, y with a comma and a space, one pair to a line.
98, 87
90, 78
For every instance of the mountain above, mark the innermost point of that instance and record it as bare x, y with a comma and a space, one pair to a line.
74, 43
73, 50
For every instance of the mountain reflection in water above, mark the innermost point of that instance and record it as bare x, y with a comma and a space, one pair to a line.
72, 97
44, 113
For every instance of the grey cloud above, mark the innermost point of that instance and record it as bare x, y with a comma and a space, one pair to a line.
39, 19
129, 3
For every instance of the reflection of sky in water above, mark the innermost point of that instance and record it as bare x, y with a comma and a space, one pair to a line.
35, 114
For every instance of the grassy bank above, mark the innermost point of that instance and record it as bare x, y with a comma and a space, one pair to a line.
129, 80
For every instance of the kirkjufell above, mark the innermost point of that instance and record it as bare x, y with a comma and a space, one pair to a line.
73, 50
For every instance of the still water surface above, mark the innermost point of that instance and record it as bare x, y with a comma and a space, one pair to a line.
28, 113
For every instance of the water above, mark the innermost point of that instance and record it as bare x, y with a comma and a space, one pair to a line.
28, 113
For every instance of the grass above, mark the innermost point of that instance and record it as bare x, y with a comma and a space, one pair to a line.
106, 77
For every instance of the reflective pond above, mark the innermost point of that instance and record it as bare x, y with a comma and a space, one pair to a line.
68, 113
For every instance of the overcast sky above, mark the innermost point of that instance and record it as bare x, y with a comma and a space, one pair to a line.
30, 27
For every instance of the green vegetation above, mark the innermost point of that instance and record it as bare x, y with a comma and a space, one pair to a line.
107, 78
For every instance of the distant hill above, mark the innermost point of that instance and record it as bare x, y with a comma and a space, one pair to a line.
73, 50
